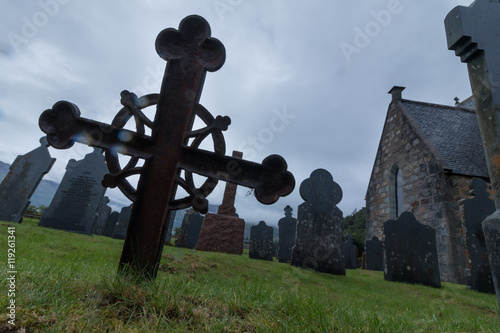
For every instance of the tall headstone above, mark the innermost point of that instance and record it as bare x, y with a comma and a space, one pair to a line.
473, 33
261, 242
102, 215
476, 210
374, 254
350, 253
22, 180
109, 227
121, 225
287, 230
318, 245
224, 231
410, 252
190, 230
76, 202
171, 220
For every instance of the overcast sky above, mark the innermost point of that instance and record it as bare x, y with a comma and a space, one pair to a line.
307, 80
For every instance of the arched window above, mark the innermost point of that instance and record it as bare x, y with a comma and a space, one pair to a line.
395, 192
399, 192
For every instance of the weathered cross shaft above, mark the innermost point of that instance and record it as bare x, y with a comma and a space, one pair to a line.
190, 52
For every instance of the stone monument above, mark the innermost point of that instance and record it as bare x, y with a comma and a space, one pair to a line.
287, 231
473, 33
171, 220
171, 153
121, 225
109, 227
25, 173
318, 245
374, 253
77, 199
190, 229
102, 215
350, 253
224, 231
410, 252
476, 210
261, 242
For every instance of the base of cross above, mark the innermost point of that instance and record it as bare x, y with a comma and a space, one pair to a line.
491, 228
222, 233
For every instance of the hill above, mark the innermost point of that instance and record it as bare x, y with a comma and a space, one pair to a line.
67, 282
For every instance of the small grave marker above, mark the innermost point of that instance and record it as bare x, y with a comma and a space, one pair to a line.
261, 242
374, 254
287, 232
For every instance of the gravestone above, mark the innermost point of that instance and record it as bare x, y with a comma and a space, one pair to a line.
476, 209
261, 242
410, 252
374, 254
224, 231
109, 227
190, 230
121, 225
473, 33
25, 173
287, 230
171, 220
171, 153
318, 244
102, 215
76, 202
350, 253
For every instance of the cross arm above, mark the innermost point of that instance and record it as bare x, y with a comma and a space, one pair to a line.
63, 126
271, 179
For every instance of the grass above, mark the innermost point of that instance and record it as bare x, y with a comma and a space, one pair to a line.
68, 283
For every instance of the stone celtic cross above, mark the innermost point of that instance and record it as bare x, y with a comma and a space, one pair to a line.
171, 153
474, 34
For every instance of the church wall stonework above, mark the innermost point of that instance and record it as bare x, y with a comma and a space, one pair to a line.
429, 191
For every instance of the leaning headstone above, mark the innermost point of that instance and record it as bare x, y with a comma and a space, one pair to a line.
374, 254
121, 225
318, 245
77, 198
224, 232
190, 230
472, 32
102, 215
261, 242
109, 227
350, 253
171, 220
22, 180
410, 252
287, 231
476, 209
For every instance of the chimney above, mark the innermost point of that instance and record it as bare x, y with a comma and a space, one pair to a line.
396, 92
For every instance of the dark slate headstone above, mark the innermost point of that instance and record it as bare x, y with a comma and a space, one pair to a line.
22, 180
410, 252
374, 254
319, 238
261, 242
287, 231
190, 230
77, 198
476, 210
171, 220
350, 253
109, 227
120, 231
102, 215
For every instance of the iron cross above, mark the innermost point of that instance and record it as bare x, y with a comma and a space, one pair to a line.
172, 149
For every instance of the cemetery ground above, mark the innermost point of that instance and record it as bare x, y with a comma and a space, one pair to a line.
67, 282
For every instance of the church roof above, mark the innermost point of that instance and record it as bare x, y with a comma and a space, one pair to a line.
452, 134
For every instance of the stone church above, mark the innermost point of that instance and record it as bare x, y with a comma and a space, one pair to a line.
427, 156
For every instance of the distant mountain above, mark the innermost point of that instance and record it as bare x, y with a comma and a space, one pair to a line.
43, 194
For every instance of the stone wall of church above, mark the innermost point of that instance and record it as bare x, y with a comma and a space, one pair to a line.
426, 192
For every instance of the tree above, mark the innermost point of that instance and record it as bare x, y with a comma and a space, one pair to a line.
355, 224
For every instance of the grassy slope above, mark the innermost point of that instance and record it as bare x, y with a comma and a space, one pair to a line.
67, 282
